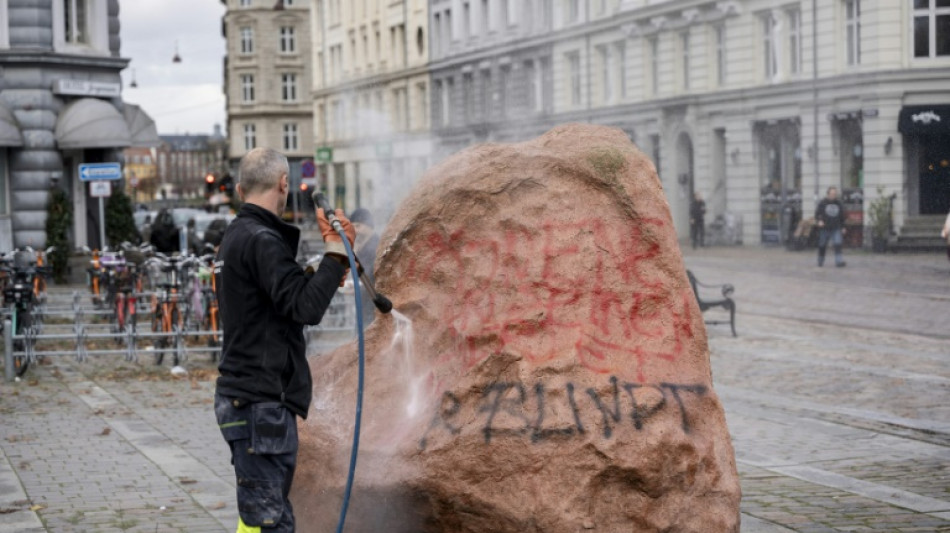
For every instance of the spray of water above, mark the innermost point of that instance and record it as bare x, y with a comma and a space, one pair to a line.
401, 350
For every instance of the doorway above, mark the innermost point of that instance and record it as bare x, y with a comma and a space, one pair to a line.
684, 180
933, 167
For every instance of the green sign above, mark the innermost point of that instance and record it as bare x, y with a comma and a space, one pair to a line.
324, 154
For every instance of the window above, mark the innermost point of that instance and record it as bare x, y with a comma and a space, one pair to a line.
606, 73
399, 109
852, 16
574, 74
288, 87
447, 102
466, 20
573, 10
794, 41
245, 3
654, 44
247, 88
721, 55
621, 54
485, 18
468, 93
288, 40
546, 14
423, 105
684, 50
76, 21
247, 40
438, 108
447, 36
770, 53
250, 137
504, 89
531, 73
290, 136
437, 35
486, 93
931, 28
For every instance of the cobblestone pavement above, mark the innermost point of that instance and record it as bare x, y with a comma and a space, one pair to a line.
837, 394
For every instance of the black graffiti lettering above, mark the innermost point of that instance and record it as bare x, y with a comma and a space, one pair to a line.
640, 413
615, 414
449, 407
574, 409
696, 389
515, 408
540, 433
510, 412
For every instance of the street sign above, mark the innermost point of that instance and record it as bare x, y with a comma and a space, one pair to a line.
100, 171
308, 169
100, 189
324, 154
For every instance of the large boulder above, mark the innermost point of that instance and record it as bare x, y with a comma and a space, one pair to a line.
556, 377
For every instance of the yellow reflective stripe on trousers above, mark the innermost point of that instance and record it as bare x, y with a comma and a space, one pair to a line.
244, 528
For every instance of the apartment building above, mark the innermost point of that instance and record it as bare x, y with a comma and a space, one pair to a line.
267, 73
371, 100
758, 105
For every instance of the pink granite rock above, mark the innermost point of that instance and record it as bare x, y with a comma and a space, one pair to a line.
557, 378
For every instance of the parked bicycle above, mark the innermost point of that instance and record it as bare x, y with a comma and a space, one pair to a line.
20, 297
167, 313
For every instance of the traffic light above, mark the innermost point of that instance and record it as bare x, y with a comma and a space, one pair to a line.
209, 183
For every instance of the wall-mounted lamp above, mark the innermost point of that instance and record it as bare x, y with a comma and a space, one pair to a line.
133, 83
176, 58
735, 155
888, 144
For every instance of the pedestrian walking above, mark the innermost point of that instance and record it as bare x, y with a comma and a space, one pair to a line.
697, 220
830, 217
265, 299
945, 233
164, 234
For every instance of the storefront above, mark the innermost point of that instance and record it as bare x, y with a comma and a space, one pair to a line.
848, 146
780, 175
926, 131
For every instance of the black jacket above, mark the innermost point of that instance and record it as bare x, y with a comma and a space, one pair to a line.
265, 298
831, 212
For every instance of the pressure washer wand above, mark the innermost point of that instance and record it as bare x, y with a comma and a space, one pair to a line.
381, 302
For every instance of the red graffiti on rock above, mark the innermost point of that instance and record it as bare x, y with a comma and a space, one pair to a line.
585, 288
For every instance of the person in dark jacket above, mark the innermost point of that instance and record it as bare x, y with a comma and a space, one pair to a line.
697, 220
164, 235
365, 248
265, 298
830, 217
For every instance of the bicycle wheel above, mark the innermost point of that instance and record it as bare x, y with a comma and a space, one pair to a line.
160, 342
21, 362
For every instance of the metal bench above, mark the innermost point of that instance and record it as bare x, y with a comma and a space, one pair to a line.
726, 302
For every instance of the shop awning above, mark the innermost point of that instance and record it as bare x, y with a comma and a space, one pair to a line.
924, 119
9, 129
91, 123
141, 126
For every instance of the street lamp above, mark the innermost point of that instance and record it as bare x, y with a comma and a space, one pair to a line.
176, 58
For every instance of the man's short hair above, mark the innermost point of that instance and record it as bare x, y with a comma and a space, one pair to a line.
830, 189
261, 169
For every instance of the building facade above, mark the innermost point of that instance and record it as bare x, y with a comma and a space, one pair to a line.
758, 105
267, 78
371, 100
183, 162
60, 106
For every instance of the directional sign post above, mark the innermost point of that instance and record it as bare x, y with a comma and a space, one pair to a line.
100, 171
95, 173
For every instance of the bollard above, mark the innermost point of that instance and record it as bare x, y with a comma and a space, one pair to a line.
8, 350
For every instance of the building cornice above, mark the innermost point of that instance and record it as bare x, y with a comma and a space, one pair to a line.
382, 78
20, 57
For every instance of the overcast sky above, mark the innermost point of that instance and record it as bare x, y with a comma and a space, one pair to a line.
181, 97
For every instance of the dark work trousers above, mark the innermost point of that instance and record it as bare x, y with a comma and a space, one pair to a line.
697, 233
263, 442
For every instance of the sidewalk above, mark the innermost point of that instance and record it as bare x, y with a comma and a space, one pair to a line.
837, 394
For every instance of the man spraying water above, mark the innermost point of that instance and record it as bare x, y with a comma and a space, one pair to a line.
266, 298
